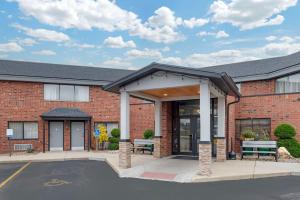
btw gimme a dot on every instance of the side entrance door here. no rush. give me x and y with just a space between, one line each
77 135
56 136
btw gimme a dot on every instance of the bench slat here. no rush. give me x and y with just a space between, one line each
259 146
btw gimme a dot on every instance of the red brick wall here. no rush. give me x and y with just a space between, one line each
258 87
279 108
166 129
24 101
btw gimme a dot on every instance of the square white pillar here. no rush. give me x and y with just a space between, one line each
221 116
124 144
204 145
157 119
204 112
125 116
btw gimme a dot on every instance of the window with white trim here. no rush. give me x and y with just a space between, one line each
288 84
24 130
59 92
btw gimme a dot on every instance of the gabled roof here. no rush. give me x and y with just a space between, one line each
222 80
44 72
260 69
65 113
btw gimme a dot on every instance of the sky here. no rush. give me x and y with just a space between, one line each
130 34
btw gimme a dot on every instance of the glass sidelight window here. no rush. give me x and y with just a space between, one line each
108 125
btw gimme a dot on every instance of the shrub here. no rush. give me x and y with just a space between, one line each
285 131
291 145
115 133
248 133
113 146
148 134
114 140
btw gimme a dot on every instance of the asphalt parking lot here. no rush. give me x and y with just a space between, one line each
78 180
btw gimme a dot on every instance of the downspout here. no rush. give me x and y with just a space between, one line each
227 124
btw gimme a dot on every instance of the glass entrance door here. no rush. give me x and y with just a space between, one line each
189 133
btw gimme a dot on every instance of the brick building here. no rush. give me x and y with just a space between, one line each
56 107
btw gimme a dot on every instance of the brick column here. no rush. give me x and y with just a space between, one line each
204 158
221 149
157 147
124 154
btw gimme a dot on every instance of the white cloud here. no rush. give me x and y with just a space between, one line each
118 42
117 62
271 38
43 34
146 53
79 45
249 14
10 47
226 56
287 39
27 42
171 60
219 34
193 22
44 53
222 34
107 15
165 49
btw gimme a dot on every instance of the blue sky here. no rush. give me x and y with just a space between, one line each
130 34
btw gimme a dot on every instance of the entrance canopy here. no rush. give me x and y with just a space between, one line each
158 80
65 114
161 83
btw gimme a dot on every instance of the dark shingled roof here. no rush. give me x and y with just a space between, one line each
65 113
257 67
58 71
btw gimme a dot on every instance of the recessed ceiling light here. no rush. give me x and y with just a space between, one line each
165 94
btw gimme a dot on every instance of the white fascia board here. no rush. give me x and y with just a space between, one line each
161 80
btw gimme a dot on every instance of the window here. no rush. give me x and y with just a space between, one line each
24 130
109 126
54 92
262 127
288 84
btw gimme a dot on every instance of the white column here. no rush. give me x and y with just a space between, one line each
204 112
125 116
157 118
221 116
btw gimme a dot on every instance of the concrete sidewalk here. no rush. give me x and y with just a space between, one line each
168 169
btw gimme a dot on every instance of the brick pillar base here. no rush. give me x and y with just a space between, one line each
124 154
221 149
157 148
204 158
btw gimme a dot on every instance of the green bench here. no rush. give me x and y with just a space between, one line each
143 145
259 148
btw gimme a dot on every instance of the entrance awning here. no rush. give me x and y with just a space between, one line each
221 80
65 114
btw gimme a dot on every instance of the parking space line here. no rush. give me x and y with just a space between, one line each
14 175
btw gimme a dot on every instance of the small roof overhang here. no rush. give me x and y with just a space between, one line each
222 80
65 114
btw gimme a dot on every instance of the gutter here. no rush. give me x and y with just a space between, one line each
227 123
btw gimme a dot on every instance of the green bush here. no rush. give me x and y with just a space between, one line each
291 145
285 131
113 140
148 134
115 133
113 146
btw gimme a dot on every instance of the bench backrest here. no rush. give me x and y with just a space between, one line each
260 144
143 142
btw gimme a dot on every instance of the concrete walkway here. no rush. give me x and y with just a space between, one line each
169 169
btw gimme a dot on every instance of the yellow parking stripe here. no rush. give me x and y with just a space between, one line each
14 174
